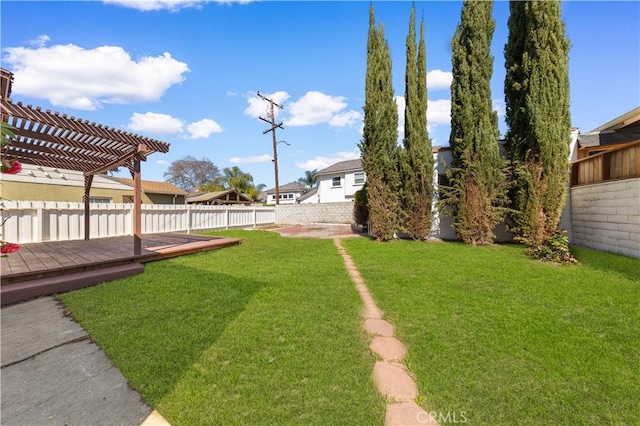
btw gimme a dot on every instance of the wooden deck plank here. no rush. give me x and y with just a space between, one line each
37 260
29 257
13 264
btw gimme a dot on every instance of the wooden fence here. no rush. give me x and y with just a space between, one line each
37 221
619 163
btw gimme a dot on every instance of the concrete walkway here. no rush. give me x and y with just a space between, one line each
52 373
390 375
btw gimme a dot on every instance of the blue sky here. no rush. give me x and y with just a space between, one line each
188 72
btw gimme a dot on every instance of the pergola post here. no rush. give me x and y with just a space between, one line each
137 208
87 212
137 200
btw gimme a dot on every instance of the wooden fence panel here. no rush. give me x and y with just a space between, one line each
35 221
620 163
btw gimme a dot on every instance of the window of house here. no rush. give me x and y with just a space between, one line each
359 178
336 181
101 200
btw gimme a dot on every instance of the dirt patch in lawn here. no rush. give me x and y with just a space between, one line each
319 231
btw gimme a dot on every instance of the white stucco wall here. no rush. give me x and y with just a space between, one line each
327 193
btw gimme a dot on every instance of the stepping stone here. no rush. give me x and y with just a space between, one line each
378 327
389 348
393 382
371 311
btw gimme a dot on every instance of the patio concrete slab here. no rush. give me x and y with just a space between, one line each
52 373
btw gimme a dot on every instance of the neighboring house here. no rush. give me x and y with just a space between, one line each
611 135
289 193
609 152
339 182
230 196
39 183
158 192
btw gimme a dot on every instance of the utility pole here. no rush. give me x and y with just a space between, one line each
273 131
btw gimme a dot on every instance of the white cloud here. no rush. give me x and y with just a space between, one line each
259 107
162 162
314 108
499 107
320 162
344 119
438 79
171 5
311 109
164 124
75 77
40 41
402 105
255 159
161 124
438 112
203 129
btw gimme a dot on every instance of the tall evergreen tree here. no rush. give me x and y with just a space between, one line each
416 162
380 135
478 182
538 118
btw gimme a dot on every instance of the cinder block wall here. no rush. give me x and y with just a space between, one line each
606 216
315 213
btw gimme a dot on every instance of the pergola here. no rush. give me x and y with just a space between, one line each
55 140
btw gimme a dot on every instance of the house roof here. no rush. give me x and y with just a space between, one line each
309 194
153 187
289 187
41 175
617 123
229 196
342 167
620 130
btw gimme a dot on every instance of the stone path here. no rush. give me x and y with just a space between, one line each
390 375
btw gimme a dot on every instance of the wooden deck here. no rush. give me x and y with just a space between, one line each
57 266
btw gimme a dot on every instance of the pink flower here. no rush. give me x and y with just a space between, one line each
14 169
8 248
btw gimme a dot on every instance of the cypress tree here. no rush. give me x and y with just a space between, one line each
538 119
380 134
478 183
417 159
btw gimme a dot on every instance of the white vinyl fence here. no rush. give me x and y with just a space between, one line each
37 221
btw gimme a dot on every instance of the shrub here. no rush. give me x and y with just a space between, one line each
361 208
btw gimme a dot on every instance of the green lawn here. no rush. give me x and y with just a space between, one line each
269 332
496 338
